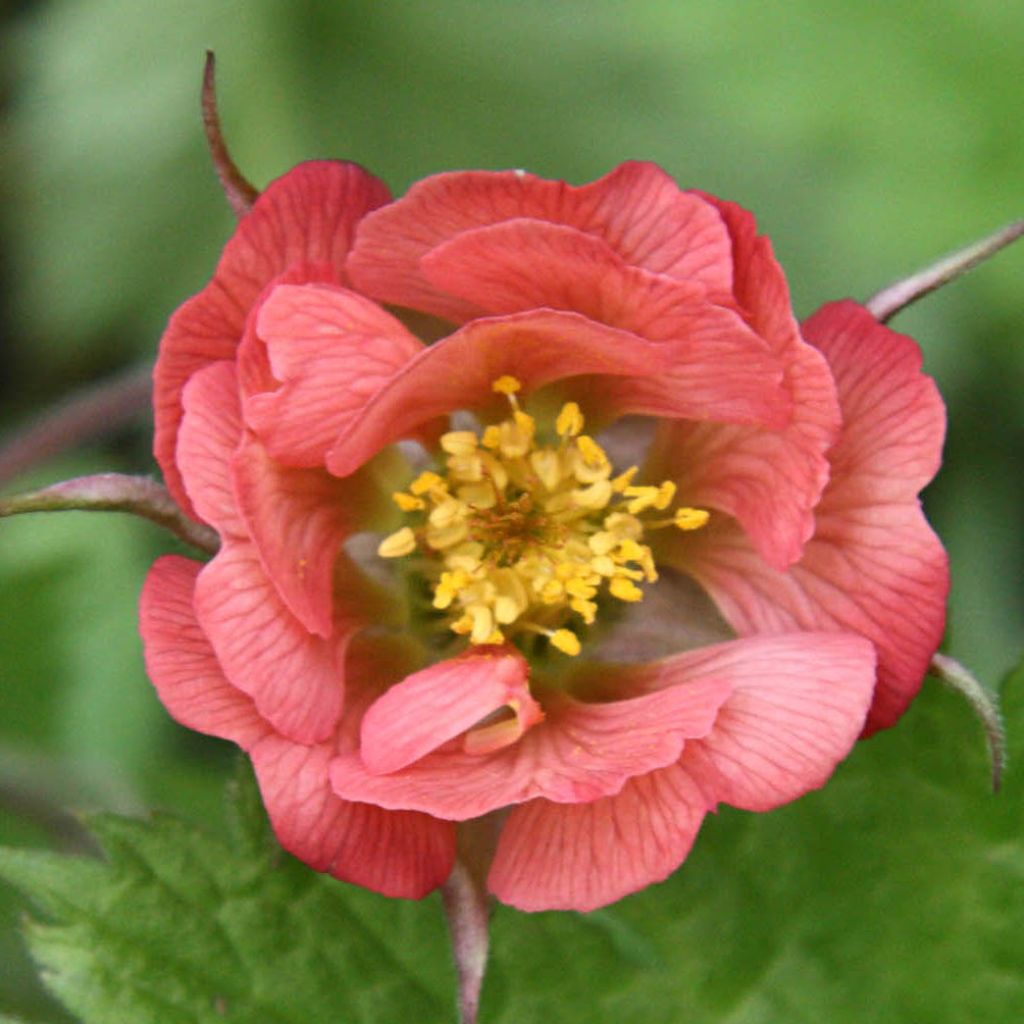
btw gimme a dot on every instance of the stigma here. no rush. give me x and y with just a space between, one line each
521 537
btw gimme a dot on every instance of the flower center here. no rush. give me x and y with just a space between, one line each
521 537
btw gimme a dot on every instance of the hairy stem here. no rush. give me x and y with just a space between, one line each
884 305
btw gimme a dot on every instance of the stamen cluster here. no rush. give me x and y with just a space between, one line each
519 536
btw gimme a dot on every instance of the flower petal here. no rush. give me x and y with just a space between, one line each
295 678
333 350
797 707
396 853
580 752
636 209
874 566
770 480
435 705
181 663
524 264
211 431
720 369
307 215
582 856
298 519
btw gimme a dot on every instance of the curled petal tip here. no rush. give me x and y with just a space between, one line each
884 305
238 190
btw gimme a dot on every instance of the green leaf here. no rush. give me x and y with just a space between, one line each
176 927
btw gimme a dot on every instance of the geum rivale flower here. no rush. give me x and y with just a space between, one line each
487 653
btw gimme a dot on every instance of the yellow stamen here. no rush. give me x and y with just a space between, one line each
624 589
570 420
690 518
401 542
566 641
506 385
425 483
518 536
459 442
407 503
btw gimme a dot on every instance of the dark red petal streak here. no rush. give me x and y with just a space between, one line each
181 662
636 209
307 215
396 853
580 752
581 856
874 565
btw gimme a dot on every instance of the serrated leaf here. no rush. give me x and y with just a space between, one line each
174 926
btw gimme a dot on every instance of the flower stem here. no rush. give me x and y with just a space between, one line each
467 906
239 192
884 305
115 492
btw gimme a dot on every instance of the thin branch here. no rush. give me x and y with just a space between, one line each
240 193
884 305
115 492
93 412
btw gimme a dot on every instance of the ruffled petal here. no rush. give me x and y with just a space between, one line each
523 264
334 351
298 519
770 480
433 706
396 853
294 678
181 662
797 707
307 215
581 752
582 856
636 209
874 566
211 431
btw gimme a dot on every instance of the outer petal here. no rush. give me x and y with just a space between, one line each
307 215
181 663
435 705
333 350
294 678
211 431
769 480
874 566
797 706
524 264
397 853
582 856
637 209
581 752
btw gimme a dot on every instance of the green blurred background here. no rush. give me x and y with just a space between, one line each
868 138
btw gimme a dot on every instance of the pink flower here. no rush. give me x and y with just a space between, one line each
492 652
